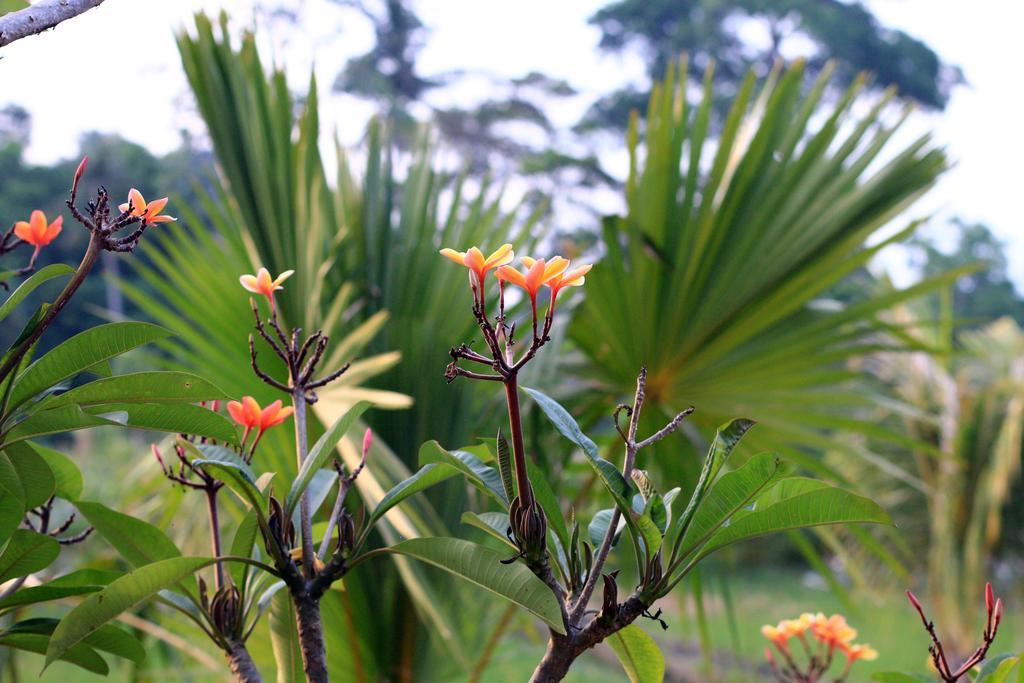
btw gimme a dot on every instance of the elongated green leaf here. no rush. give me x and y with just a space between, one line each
727 495
122 594
321 453
27 552
424 478
483 477
81 655
107 638
78 582
80 353
138 387
239 479
996 669
32 474
63 419
241 546
726 438
28 286
137 541
174 418
67 477
640 656
824 506
505 466
494 524
284 639
598 526
483 567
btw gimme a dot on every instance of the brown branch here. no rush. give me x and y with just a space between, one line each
41 16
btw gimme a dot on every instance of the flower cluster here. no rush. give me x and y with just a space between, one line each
820 637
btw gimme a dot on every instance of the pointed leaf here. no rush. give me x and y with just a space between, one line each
639 655
25 288
27 552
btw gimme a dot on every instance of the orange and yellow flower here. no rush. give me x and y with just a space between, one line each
833 631
475 261
570 277
538 273
855 652
149 212
36 231
261 283
249 414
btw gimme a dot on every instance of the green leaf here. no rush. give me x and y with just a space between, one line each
494 524
78 582
508 482
138 387
726 438
321 453
80 353
598 527
121 595
108 638
81 655
996 669
730 493
63 419
37 278
482 566
424 478
67 476
227 466
242 544
284 639
639 655
549 503
31 474
483 477
824 506
138 542
174 418
27 552
563 422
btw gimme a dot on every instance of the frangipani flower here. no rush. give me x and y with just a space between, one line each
149 212
833 631
36 231
855 652
475 261
249 414
538 273
260 283
567 278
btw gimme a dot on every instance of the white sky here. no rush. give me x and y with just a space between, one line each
83 76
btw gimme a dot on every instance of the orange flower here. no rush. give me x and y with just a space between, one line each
249 414
855 652
833 631
260 283
538 273
568 278
475 261
149 212
36 232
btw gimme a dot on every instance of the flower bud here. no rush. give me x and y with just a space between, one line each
346 532
226 612
282 530
530 528
610 598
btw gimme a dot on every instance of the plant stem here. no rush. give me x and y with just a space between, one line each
88 261
301 450
211 506
311 639
242 666
515 422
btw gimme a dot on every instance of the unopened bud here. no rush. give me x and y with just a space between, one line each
989 597
346 533
367 441
610 598
79 171
997 613
530 528
225 611
282 530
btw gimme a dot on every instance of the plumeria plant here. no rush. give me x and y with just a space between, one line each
551 568
71 387
820 640
297 562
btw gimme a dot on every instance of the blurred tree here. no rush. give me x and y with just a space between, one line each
982 296
742 34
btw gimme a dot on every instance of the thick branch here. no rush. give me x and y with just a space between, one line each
242 666
41 16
